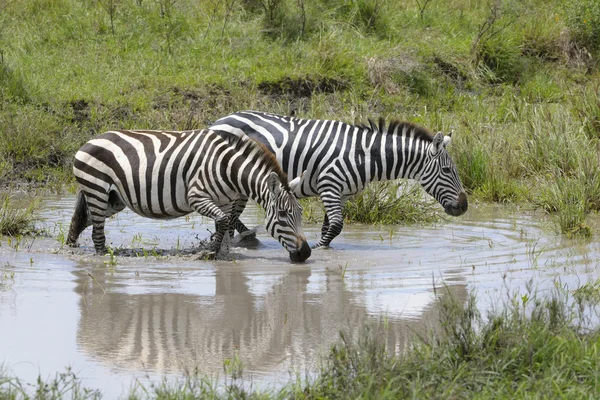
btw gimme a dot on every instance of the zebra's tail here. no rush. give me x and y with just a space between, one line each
81 219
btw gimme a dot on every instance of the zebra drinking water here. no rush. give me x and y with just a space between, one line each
339 159
165 175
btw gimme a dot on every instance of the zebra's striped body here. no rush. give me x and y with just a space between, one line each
338 160
166 175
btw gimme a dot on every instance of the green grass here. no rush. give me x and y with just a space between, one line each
392 203
532 347
16 221
588 293
516 81
385 203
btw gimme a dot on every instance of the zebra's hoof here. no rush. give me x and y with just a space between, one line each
321 247
246 239
72 244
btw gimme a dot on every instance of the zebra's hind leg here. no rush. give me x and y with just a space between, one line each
98 205
81 219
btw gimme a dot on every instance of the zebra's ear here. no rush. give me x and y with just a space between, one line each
448 139
273 183
296 182
437 144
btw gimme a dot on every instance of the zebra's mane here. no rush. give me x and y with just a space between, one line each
399 127
264 155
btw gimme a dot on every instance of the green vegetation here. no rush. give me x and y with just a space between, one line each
16 221
64 385
516 80
532 348
388 202
391 203
588 293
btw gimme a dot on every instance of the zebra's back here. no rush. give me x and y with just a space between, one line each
300 145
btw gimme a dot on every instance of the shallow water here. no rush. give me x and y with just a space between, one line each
114 321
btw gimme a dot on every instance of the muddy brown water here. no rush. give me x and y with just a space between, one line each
146 317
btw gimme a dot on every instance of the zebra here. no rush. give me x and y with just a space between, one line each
168 174
340 159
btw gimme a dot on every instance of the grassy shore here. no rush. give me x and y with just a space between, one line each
517 81
532 348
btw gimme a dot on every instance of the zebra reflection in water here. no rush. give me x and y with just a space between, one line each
288 325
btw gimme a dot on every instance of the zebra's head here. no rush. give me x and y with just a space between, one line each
284 217
440 177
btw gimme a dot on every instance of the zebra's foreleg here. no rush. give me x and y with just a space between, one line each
335 221
234 223
206 206
325 226
238 209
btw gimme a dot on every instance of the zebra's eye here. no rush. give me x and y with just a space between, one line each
446 170
283 215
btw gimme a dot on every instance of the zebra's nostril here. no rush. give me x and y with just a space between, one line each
302 253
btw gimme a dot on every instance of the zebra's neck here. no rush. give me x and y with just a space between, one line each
393 155
262 195
249 177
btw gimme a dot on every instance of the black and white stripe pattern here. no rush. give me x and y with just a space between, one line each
166 175
339 159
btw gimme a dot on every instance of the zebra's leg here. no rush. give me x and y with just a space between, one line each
206 206
333 208
98 205
81 219
239 208
325 226
234 222
236 210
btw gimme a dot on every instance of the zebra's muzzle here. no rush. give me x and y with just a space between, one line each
459 207
302 253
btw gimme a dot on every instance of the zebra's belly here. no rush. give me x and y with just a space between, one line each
167 213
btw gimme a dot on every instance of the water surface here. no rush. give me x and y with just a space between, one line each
126 318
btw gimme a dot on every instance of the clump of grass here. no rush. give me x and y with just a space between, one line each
11 84
541 88
566 200
14 221
312 210
478 166
59 387
500 60
367 15
588 293
535 347
583 20
7 279
391 203
586 104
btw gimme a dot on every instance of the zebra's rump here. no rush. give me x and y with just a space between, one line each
146 169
